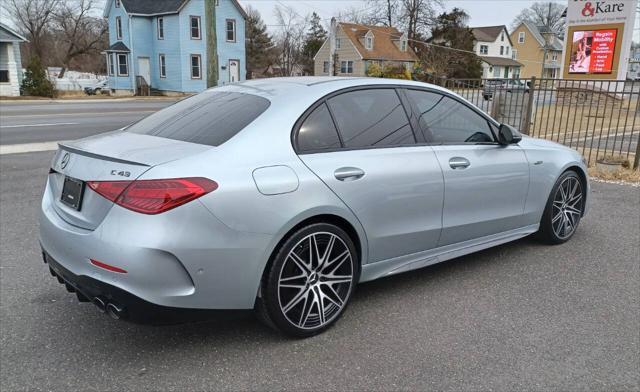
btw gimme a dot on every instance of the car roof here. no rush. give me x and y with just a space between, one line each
288 88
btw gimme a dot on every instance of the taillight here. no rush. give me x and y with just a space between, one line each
153 196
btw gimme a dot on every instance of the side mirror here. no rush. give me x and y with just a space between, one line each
508 135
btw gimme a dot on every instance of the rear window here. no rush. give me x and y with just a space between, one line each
210 118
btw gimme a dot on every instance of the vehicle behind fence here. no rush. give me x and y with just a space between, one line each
599 118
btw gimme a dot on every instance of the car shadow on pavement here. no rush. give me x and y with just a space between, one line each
233 327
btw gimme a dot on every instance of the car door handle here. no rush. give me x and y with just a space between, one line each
459 163
348 173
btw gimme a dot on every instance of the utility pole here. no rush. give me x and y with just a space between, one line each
212 43
546 40
332 45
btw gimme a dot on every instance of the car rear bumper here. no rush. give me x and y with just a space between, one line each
184 258
120 304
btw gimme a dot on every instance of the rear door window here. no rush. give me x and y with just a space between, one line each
371 118
318 132
209 118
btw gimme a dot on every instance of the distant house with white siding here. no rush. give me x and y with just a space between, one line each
163 44
633 72
494 47
10 61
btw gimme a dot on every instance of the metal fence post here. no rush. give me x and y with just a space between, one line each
636 160
529 108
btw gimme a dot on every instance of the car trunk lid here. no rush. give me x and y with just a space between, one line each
114 156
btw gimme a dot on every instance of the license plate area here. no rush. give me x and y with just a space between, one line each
72 192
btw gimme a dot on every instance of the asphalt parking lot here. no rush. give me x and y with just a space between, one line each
522 316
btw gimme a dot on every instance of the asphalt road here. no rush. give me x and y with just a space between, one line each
521 316
54 121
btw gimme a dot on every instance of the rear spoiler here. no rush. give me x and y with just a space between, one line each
78 151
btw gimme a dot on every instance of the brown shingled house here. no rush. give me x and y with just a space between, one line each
358 46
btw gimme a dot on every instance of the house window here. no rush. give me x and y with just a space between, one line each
123 65
162 63
346 67
502 37
110 64
117 3
195 27
514 54
501 50
403 46
516 73
196 62
496 72
507 50
118 28
337 43
325 67
368 43
160 28
484 49
231 30
554 56
521 37
4 76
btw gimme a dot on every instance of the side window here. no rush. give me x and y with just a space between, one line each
318 132
445 120
371 118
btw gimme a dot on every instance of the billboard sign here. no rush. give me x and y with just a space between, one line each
592 51
598 38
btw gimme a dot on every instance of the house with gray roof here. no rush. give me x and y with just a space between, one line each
494 47
170 46
10 61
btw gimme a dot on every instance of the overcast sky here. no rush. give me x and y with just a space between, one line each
482 12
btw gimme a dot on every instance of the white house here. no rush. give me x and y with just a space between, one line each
633 72
10 61
494 46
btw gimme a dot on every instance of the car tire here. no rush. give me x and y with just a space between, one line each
310 281
563 210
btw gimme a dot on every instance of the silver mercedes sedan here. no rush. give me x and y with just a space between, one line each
280 195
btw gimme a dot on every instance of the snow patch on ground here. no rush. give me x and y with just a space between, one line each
617 182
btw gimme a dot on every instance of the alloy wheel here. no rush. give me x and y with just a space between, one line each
315 280
567 208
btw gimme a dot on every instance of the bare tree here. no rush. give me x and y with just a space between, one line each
289 38
33 18
419 16
77 32
385 12
548 14
355 15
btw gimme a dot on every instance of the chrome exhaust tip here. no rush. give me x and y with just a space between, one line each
100 304
114 311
